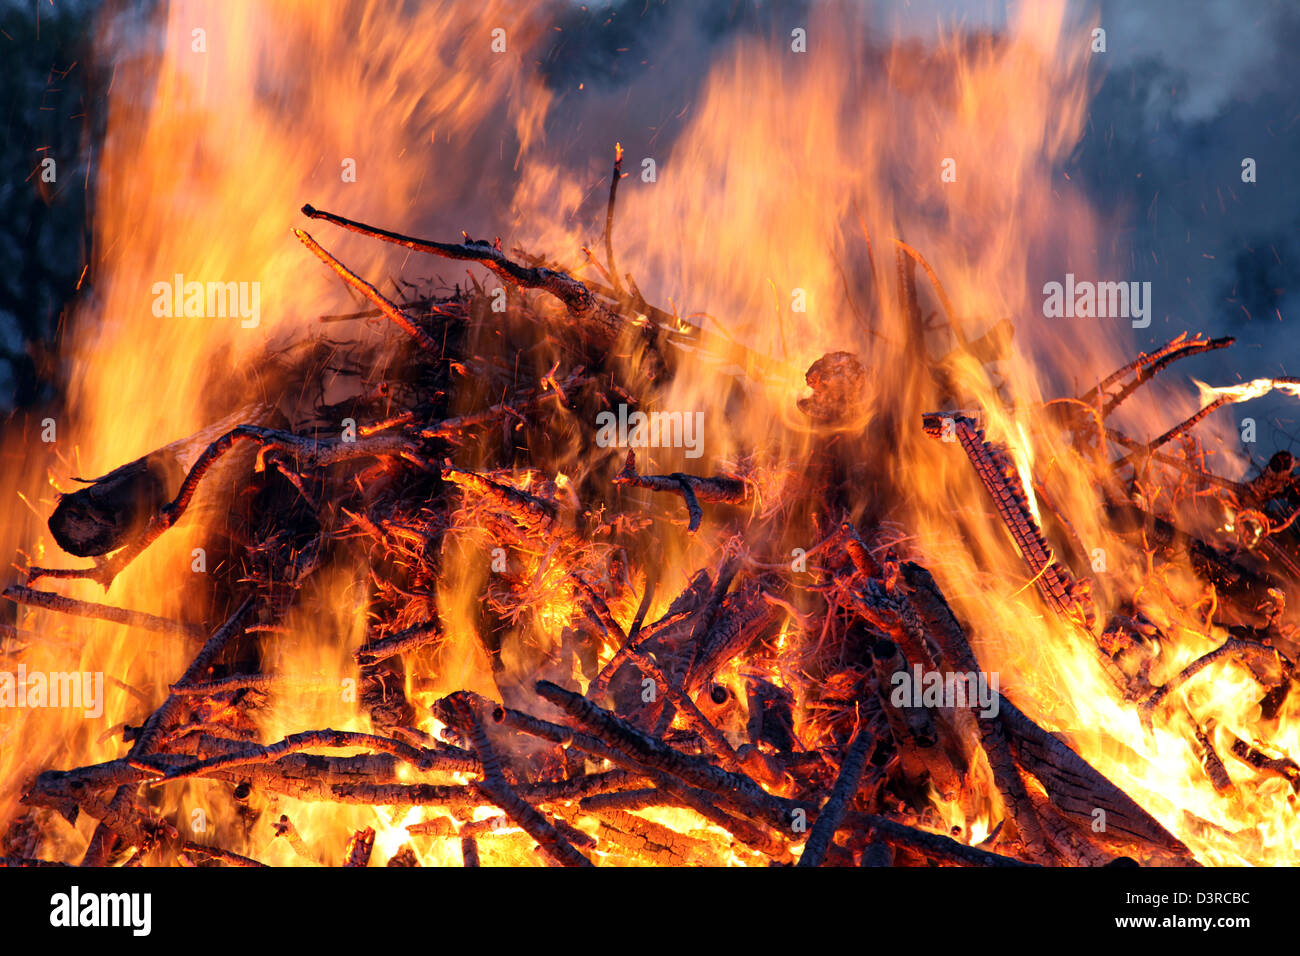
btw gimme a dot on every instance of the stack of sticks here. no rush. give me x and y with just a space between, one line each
750 721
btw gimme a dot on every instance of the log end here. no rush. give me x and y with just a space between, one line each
104 515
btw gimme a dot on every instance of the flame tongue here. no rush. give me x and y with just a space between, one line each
1247 391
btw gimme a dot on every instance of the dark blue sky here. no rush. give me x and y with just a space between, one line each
1191 88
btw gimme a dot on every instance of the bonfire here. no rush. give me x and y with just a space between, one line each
519 561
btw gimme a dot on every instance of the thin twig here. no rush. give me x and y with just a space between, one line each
1231 646
402 642
609 218
102 612
574 294
394 314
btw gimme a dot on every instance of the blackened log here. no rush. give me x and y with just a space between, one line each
653 842
1076 788
839 383
115 507
934 846
1284 767
469 851
401 642
1210 760
381 691
405 857
771 715
951 637
360 846
832 811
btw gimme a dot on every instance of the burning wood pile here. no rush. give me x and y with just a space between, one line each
808 696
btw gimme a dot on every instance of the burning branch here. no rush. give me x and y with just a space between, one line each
609 218
495 787
832 811
394 314
1065 595
692 488
1147 367
102 612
